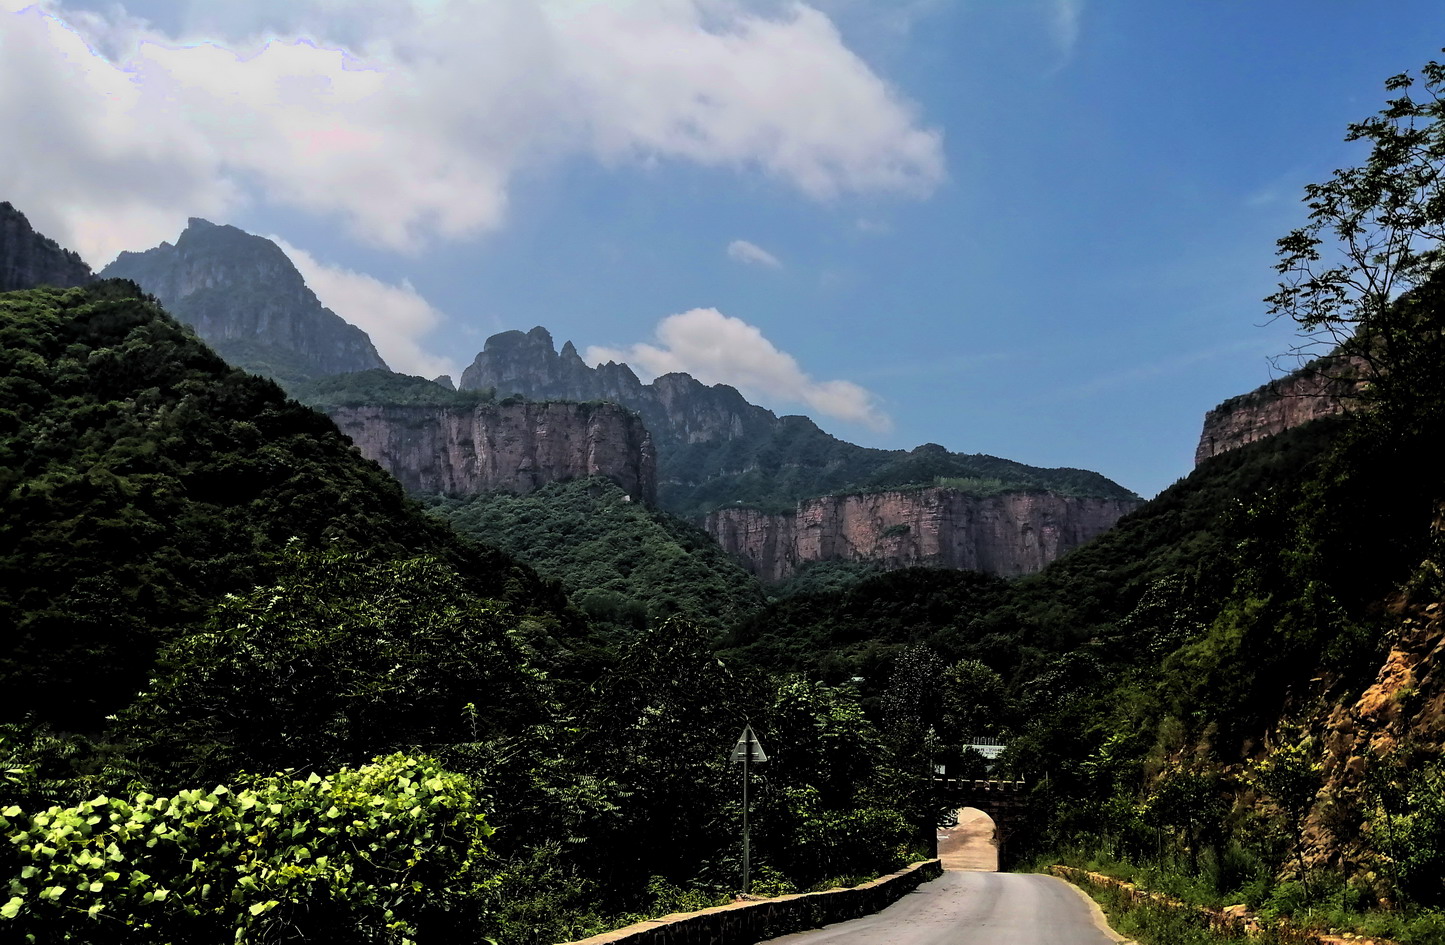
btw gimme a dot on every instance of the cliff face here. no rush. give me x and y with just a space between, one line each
511 447
28 259
1006 535
1320 389
244 297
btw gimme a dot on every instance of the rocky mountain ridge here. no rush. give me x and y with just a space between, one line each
715 448
676 407
28 259
779 492
247 300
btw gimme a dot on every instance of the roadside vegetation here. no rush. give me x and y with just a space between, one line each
254 693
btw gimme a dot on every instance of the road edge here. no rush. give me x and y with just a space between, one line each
1096 912
747 922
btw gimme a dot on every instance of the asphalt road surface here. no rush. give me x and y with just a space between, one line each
975 908
970 844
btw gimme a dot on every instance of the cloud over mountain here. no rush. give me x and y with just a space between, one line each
718 349
407 121
395 315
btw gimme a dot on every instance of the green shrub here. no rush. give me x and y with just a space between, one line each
365 854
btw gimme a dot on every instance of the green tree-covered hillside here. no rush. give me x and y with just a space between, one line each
625 565
142 479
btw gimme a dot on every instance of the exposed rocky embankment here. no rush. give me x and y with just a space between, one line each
1007 535
512 447
28 259
245 299
1400 716
1319 389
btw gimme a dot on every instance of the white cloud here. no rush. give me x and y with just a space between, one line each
744 252
718 349
395 316
1067 25
407 119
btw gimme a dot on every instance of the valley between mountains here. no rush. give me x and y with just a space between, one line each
306 649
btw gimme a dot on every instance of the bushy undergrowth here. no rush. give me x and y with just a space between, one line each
1235 876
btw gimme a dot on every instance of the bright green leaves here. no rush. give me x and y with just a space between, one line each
211 865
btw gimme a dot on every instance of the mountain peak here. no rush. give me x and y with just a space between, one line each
245 297
28 259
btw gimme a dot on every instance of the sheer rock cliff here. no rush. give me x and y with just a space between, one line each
246 300
1319 389
1007 535
514 447
28 259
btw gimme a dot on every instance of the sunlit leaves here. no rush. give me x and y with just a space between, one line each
232 864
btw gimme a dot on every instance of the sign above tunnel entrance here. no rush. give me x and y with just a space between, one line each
990 748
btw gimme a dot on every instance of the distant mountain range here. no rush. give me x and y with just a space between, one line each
716 449
717 455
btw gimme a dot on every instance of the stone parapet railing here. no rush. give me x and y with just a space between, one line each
1233 920
749 921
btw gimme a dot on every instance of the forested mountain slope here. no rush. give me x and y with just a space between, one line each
203 584
625 565
142 478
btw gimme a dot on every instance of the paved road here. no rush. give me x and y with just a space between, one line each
969 845
968 908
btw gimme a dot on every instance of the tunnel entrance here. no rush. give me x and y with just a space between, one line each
972 844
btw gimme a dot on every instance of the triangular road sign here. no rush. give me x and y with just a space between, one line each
749 748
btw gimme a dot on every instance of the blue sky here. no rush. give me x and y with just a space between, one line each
1039 230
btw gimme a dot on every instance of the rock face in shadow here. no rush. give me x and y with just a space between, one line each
1322 388
245 299
28 259
676 407
1006 535
514 447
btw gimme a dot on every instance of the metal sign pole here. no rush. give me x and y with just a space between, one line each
746 851
747 750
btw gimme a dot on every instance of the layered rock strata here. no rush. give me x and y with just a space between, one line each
1319 389
1007 535
511 447
28 259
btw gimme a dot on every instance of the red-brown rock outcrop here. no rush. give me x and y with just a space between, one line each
510 447
1319 389
1008 535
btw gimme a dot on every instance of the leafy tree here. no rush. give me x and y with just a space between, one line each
1353 274
339 658
1406 819
1289 777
